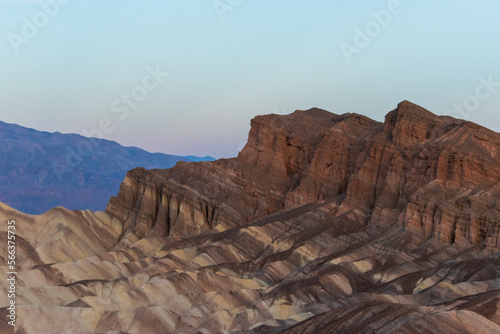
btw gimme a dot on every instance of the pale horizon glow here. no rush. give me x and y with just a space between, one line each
261 58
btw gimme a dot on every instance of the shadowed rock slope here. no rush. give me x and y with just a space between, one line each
324 223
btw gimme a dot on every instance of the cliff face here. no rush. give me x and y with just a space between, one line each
438 176
324 223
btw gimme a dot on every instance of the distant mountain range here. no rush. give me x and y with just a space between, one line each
42 170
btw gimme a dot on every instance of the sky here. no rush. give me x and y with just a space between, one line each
187 76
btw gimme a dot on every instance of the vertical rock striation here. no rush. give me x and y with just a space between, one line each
436 175
324 223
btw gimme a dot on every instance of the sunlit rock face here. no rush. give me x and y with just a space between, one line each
324 223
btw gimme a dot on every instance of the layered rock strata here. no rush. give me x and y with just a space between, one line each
324 223
436 175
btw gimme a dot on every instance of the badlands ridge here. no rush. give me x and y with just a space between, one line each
324 223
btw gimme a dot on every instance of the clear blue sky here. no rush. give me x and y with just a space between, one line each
252 57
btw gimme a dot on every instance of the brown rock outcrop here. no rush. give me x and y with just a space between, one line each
324 223
437 175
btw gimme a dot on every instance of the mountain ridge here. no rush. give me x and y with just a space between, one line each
323 223
276 158
40 170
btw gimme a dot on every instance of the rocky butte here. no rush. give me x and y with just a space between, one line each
324 223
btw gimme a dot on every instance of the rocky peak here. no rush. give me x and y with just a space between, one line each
323 223
414 161
411 124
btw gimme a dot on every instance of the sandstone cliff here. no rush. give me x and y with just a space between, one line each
435 175
324 223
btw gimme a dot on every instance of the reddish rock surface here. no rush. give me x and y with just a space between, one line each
324 223
435 175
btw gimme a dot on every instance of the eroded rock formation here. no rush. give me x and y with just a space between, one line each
324 223
436 174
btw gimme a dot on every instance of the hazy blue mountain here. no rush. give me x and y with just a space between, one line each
42 170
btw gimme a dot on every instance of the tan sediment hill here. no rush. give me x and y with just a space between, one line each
324 223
